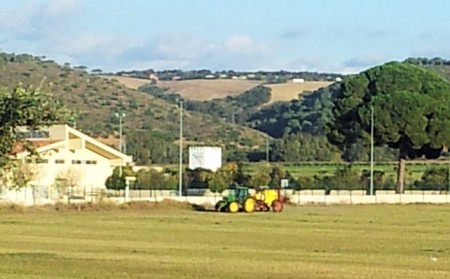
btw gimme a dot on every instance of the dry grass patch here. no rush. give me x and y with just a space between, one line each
198 89
289 91
204 90
133 83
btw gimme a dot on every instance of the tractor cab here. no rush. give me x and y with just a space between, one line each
237 193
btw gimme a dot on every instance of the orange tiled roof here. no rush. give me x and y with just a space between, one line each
20 146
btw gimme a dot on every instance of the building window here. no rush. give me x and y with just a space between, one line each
41 161
91 162
29 160
34 134
59 161
76 162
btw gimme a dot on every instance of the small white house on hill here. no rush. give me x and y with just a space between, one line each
67 156
298 80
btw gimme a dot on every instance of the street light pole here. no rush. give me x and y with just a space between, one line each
120 115
371 149
120 134
448 170
180 160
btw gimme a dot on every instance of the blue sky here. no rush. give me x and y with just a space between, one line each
341 36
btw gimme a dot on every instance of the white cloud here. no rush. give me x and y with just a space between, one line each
179 46
60 8
90 43
244 45
165 51
36 21
169 50
322 64
95 50
242 52
314 63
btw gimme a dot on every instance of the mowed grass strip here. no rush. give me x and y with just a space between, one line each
384 241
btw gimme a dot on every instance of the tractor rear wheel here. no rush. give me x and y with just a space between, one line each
233 207
277 206
249 205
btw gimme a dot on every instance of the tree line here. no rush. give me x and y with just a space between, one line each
343 178
423 61
265 76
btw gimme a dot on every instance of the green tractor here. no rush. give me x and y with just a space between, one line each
237 198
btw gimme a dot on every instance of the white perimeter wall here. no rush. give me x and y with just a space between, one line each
28 197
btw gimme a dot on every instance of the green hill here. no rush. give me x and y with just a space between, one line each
97 99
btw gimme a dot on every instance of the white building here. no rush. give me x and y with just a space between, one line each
67 154
298 80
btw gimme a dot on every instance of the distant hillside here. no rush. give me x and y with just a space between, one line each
97 99
198 89
209 89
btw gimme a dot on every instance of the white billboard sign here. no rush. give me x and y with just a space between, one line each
205 157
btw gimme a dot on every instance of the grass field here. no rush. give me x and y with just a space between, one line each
384 241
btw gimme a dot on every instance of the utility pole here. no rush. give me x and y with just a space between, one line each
371 149
448 169
267 150
120 115
180 167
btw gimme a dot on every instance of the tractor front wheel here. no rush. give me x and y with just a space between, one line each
249 205
233 207
277 206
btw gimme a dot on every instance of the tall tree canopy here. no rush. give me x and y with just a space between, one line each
411 109
307 114
29 108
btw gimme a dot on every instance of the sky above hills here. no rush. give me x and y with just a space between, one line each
344 36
